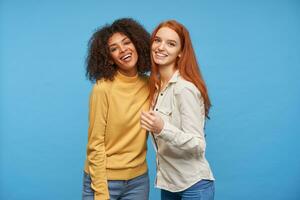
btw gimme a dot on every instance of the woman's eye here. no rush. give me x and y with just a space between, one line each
172 44
113 49
156 40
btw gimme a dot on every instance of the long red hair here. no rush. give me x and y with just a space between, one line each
187 64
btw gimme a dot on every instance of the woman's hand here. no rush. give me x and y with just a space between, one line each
151 121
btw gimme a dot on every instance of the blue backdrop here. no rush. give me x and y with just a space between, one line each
249 52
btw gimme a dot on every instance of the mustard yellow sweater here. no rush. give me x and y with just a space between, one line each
116 148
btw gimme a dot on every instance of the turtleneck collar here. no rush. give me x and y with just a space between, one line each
124 78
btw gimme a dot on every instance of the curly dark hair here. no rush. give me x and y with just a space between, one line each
98 63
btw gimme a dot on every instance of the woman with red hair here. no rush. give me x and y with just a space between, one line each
180 105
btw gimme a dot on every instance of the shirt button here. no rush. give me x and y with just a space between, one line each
156 109
161 94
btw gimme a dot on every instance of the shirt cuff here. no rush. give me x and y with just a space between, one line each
167 133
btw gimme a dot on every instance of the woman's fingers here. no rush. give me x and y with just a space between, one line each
149 115
146 126
146 122
147 118
151 121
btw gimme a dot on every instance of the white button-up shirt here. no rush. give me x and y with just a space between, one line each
180 146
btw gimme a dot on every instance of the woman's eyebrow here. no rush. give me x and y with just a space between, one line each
113 44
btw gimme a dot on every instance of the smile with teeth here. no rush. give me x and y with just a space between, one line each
159 54
126 57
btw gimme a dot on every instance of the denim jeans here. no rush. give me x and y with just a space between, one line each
136 188
202 190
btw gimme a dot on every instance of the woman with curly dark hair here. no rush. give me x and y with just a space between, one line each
118 58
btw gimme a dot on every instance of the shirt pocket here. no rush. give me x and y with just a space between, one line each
165 113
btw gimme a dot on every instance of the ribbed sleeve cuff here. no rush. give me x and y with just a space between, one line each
99 196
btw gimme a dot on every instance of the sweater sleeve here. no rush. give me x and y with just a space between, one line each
190 136
96 148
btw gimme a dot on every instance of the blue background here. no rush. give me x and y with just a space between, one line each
249 52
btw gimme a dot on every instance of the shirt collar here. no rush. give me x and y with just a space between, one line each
173 79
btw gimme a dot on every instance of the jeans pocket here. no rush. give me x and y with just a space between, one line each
208 192
87 189
203 184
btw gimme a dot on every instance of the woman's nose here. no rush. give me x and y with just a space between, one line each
123 48
161 46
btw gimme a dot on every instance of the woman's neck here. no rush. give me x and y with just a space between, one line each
166 73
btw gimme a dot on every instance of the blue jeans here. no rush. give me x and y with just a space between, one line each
136 188
202 190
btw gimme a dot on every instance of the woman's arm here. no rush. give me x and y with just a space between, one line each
188 137
96 147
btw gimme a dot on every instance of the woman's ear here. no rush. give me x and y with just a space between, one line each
180 53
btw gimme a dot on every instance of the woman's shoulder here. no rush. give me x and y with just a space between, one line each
101 86
183 85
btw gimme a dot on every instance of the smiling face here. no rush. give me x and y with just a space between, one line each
123 53
166 47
